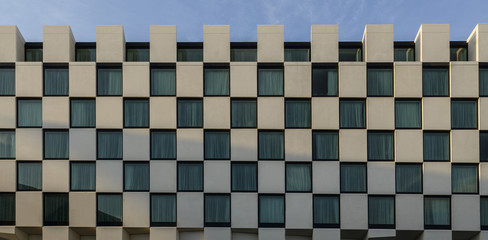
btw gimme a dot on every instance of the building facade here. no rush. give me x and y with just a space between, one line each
221 140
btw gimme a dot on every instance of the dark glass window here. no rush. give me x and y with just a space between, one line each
7 144
404 51
244 177
464 114
297 51
190 176
163 144
33 52
109 144
217 144
459 51
109 80
408 178
136 113
56 144
380 145
137 52
271 210
297 113
136 176
464 178
408 114
324 80
271 145
243 113
326 211
484 212
484 146
83 176
56 209
435 81
29 113
56 80
7 208
7 79
83 113
436 146
243 52
350 52
380 80
86 52
163 210
216 80
109 209
270 80
29 176
353 177
298 177
437 212
483 80
352 113
381 211
190 52
217 210
190 113
325 145
163 80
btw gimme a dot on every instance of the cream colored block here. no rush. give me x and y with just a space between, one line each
189 79
28 79
478 49
216 43
28 144
436 235
354 211
436 113
82 79
432 43
163 176
464 79
162 42
217 234
243 79
271 233
381 233
136 144
7 176
216 112
136 209
56 233
244 235
483 113
111 233
243 144
409 212
381 178
216 176
353 145
190 235
378 43
28 209
271 176
8 115
58 44
110 43
161 233
325 113
320 233
109 176
55 112
82 144
11 44
270 43
298 145
298 79
55 176
299 211
326 177
466 212
381 113
190 144
109 112
271 113
82 209
136 79
408 79
352 79
324 43
465 146
483 172
437 178
162 112
189 210
244 211
409 146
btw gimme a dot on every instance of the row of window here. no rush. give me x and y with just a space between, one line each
217 210
217 83
244 177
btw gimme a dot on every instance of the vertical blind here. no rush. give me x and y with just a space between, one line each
163 145
109 81
136 113
326 210
137 55
7 211
29 176
325 145
297 55
136 176
436 146
216 82
163 82
86 54
271 209
243 55
244 113
109 145
408 114
83 176
190 55
484 212
56 209
33 54
464 178
109 211
380 82
271 145
435 82
298 177
7 144
409 178
7 81
381 210
437 211
56 144
483 75
244 177
190 177
380 146
217 208
483 146
324 82
217 145
163 209
190 112
297 113
82 113
270 82
29 113
56 81
352 114
464 114
353 177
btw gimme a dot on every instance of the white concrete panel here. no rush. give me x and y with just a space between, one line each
216 43
58 44
82 209
161 233
483 113
243 79
325 113
244 144
28 79
216 112
217 234
352 79
298 145
191 235
409 145
326 177
465 212
189 210
28 209
135 79
271 176
244 210
109 112
354 211
82 144
136 144
8 178
298 79
82 79
432 43
436 235
483 178
8 115
111 233
110 43
271 233
162 112
324 43
464 79
190 144
299 211
436 113
270 43
12 44
271 112
378 43
55 112
109 176
437 178
465 146
162 42
28 142
216 176
136 209
409 212
189 79
408 79
381 177
55 176
381 113
56 233
162 176
353 145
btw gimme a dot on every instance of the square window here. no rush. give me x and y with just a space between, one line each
380 81
350 52
190 113
163 81
244 177
56 144
484 212
163 144
484 146
271 211
408 178
136 113
190 177
56 209
136 176
464 114
464 178
243 53
459 51
7 208
353 178
56 80
298 177
86 52
109 209
83 176
243 113
271 145
190 52
483 80
109 144
437 212
380 146
435 81
352 113
297 113
29 176
381 212
83 113
326 211
436 146
217 210
270 80
408 114
29 112
109 80
163 209
33 52
7 80
217 144
216 80
325 145
137 52
324 80
7 144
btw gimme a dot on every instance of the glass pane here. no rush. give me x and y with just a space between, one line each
352 114
7 208
408 114
137 54
190 55
459 54
109 82
217 209
109 211
297 55
404 54
7 144
29 113
216 82
437 211
350 55
56 209
436 146
244 113
325 145
163 82
29 176
56 144
82 113
324 82
435 82
136 177
464 179
136 113
270 82
33 54
380 146
86 54
326 210
244 177
109 145
380 82
190 113
409 178
163 209
56 82
190 177
243 55
381 211
483 146
464 114
271 209
217 145
271 145
298 177
83 176
483 75
163 145
7 81
297 113
353 178
484 212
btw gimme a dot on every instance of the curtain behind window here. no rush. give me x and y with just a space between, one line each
56 144
86 54
408 114
324 82
352 114
216 82
483 75
326 210
217 145
7 211
56 82
190 113
464 114
136 176
7 81
271 209
243 55
380 82
270 82
380 146
83 176
136 113
381 210
7 144
137 55
109 209
298 177
163 208
29 176
56 209
271 145
464 179
297 113
484 211
109 81
163 145
29 113
409 178
190 55
163 82
217 209
33 54
244 113
190 176
483 146
244 177
437 211
353 178
435 82
325 145
297 55
82 113
109 145
436 146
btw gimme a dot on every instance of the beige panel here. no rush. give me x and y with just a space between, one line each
190 144
55 176
162 112
110 43
466 212
216 176
136 79
298 79
136 209
189 79
191 235
409 145
189 209
325 176
409 212
353 145
28 209
244 210
243 79
378 43
216 43
8 115
271 113
483 178
465 146
216 112
332 234
482 39
109 112
111 233
432 43
82 144
55 112
408 79
381 178
299 209
161 233
82 79
11 44
464 79
217 234
381 113
56 233
437 178
82 209
58 44
109 176
7 176
28 79
298 145
270 43
271 233
271 176
162 43
244 144
325 113
483 118
436 235
28 144
352 79
244 235
354 211
163 176
324 43
381 233
136 144
436 113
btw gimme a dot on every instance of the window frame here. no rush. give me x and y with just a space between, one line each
137 45
48 223
306 101
117 66
161 66
146 101
215 66
403 100
392 133
178 112
365 109
18 107
453 165
202 183
380 66
10 130
322 225
365 165
317 131
58 66
71 111
189 45
439 227
232 179
9 66
148 176
243 45
121 210
325 66
271 66
466 100
404 45
110 130
31 46
216 224
283 145
458 45
297 46
71 178
421 177
350 45
10 223
250 99
448 132
85 45
210 131
309 164
156 130
17 176
162 224
438 66
383 226
59 130
271 225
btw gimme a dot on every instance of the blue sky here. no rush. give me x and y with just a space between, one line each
242 16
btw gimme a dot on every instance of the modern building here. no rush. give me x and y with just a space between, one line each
220 140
